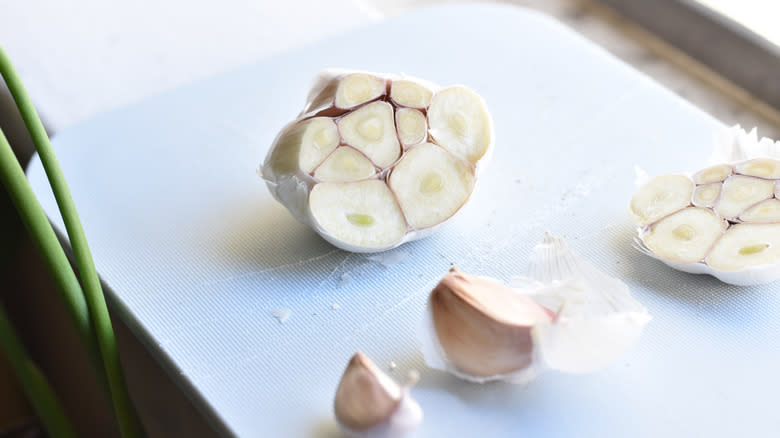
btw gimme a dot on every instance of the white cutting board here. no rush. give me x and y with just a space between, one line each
196 253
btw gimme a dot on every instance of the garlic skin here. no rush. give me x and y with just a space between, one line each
425 145
736 241
564 315
369 404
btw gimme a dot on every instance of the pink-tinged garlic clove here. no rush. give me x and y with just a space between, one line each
368 403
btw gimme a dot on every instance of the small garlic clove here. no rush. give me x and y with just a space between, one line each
368 403
712 174
707 195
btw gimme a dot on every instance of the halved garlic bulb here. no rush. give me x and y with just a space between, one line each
368 403
376 160
722 220
565 315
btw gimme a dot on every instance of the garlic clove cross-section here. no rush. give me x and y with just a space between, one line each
368 403
722 220
377 160
565 315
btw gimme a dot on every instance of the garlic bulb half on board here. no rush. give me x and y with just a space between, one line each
723 220
369 404
565 315
376 160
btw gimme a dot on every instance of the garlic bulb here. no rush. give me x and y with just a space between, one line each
369 404
564 315
723 220
375 160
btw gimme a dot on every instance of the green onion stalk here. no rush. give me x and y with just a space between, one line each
87 306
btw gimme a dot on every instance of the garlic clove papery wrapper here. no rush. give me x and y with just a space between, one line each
730 226
565 315
376 160
369 404
597 320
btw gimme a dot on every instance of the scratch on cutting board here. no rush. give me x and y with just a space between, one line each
273 269
424 290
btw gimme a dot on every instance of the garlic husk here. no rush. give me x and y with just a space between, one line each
372 146
597 320
739 187
369 404
576 318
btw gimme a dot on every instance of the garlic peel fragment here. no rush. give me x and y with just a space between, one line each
565 315
358 127
739 196
368 403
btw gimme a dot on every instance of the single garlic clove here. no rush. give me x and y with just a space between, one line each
360 127
746 245
358 88
661 196
707 195
336 91
302 145
685 236
768 168
410 93
431 185
345 164
740 192
412 126
765 212
483 327
364 214
566 315
712 174
371 130
368 403
459 121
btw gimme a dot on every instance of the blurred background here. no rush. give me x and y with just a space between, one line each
83 57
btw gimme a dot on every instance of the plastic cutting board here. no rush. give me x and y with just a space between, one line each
196 253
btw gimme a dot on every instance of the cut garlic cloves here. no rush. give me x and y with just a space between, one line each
369 404
375 161
565 315
729 229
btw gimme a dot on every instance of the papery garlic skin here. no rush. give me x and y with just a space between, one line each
369 404
741 189
565 315
424 144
